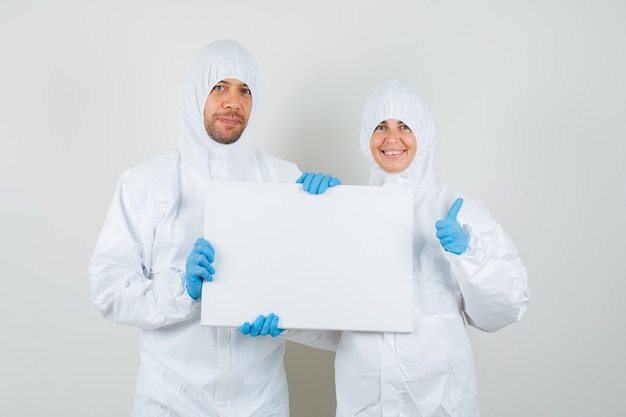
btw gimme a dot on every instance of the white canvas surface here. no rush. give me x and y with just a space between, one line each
341 260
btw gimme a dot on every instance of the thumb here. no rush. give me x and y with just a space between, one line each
455 208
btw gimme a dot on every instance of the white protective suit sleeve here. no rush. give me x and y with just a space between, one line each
491 276
125 288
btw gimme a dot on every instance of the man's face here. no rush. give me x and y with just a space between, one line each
227 110
393 146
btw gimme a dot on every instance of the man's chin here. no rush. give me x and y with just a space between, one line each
225 139
224 134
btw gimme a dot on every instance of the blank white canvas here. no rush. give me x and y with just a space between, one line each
341 260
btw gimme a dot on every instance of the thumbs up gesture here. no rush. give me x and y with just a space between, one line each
449 231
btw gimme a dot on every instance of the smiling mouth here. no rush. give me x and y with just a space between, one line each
393 153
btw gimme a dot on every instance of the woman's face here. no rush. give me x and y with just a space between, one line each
393 146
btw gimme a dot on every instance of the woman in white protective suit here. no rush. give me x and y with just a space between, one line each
138 269
465 268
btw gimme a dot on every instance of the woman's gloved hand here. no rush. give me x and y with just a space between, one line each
198 267
450 233
262 326
314 183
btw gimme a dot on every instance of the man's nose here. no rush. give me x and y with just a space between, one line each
232 102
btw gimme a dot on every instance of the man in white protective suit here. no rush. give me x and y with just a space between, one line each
465 270
150 261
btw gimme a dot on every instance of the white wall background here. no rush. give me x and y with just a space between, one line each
529 98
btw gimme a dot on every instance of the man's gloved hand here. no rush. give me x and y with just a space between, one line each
449 231
198 267
262 326
314 183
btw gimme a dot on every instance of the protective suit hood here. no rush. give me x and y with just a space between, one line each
398 100
216 61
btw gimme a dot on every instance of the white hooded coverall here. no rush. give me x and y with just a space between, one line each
430 371
137 272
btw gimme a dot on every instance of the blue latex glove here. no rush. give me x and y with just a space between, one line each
449 231
314 183
262 326
199 268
